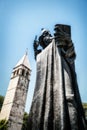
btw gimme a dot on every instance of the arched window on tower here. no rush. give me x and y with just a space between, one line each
23 71
17 72
27 74
14 73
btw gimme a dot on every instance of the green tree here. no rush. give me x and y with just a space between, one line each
3 124
1 101
85 109
25 119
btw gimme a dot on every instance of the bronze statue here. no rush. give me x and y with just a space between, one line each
56 102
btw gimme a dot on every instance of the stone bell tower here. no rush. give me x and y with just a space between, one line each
14 103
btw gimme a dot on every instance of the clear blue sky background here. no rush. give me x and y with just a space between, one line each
21 20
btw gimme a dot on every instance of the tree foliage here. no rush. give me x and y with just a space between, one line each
1 101
85 109
3 124
25 120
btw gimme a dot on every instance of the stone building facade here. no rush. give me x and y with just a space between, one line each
14 103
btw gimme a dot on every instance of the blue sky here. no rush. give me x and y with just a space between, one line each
21 20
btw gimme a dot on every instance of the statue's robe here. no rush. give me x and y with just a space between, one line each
56 102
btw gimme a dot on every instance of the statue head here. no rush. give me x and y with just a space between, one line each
44 32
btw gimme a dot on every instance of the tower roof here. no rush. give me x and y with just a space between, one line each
24 61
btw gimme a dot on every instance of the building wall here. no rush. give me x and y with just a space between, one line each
15 99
